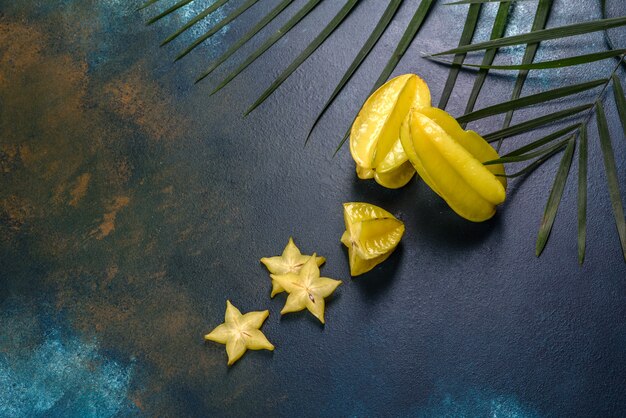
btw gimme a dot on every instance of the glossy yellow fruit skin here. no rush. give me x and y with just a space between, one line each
470 140
397 178
371 235
393 173
395 170
449 160
376 128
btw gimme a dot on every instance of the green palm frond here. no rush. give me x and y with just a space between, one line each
147 4
535 123
466 37
536 164
481 2
206 12
369 44
497 31
221 24
555 196
319 39
539 23
562 140
620 100
534 99
539 142
544 65
275 37
245 38
582 194
405 41
529 155
168 11
611 175
541 35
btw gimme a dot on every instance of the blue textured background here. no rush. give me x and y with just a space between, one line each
132 205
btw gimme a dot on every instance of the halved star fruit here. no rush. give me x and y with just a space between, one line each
377 126
371 235
450 159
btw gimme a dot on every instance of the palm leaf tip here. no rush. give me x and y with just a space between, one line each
499 26
168 11
582 194
466 37
206 12
232 16
544 65
456 3
535 164
531 100
312 47
147 4
531 124
284 29
528 155
367 47
541 35
620 100
539 142
414 26
611 175
555 197
245 38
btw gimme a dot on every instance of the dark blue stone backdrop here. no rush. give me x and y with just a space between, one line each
132 205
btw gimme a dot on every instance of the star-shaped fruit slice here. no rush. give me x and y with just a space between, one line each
240 333
291 261
371 235
306 289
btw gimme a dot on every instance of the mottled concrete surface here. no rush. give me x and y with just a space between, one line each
132 205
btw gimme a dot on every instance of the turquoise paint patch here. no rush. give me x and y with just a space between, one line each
191 11
63 376
477 403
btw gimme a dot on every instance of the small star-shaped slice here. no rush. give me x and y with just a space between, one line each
291 261
240 333
306 289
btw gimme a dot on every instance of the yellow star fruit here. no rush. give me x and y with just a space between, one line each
450 159
306 289
374 138
371 235
291 261
240 333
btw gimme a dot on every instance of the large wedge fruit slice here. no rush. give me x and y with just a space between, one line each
371 235
377 126
450 162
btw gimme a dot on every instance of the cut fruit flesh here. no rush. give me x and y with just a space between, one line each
371 235
394 172
394 159
357 211
374 237
397 178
